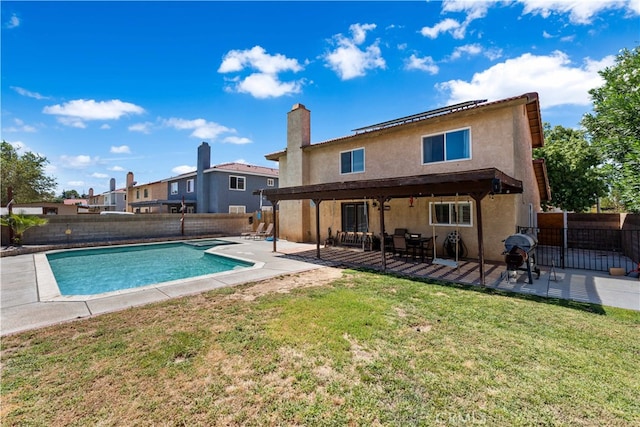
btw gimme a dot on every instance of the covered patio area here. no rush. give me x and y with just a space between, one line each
467 272
476 184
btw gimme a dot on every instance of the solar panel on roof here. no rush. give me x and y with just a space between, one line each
421 116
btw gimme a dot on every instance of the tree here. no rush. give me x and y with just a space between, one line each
25 174
20 223
614 125
572 166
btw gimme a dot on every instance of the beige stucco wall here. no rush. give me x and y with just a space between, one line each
156 191
498 217
398 151
500 138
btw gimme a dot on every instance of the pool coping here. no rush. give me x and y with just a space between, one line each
49 291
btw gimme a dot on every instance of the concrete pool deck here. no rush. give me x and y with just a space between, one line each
22 307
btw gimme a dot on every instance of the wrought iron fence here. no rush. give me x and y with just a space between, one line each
587 249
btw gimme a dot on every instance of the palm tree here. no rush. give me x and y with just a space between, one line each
20 223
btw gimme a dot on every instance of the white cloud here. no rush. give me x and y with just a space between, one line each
19 126
265 83
13 22
473 10
201 128
123 149
446 25
242 161
141 127
422 64
105 127
77 162
116 169
579 11
179 170
262 86
75 183
28 93
553 76
99 175
75 113
236 140
475 49
348 60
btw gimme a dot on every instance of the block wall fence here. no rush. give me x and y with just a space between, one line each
73 229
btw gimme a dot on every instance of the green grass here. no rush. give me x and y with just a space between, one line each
363 350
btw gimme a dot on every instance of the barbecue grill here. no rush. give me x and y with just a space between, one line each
520 254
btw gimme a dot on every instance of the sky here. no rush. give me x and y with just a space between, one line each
104 88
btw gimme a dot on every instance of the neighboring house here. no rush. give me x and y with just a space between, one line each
146 198
112 200
417 172
224 188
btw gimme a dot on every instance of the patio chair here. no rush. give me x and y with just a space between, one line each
400 246
427 248
259 230
266 233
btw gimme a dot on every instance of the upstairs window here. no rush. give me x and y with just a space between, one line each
146 193
352 161
236 183
444 147
190 186
174 188
271 182
450 213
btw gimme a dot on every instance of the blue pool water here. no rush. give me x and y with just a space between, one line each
95 271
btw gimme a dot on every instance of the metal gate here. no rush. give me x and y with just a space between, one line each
588 249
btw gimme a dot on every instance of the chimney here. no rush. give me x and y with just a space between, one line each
202 183
112 184
298 126
130 179
91 192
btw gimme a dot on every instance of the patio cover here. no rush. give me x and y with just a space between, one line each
475 183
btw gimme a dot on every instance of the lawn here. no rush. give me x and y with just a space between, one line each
358 349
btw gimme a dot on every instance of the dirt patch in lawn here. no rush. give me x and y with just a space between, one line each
284 284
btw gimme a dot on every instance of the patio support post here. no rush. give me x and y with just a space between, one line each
478 199
274 203
381 200
317 203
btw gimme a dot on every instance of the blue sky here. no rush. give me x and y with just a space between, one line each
103 88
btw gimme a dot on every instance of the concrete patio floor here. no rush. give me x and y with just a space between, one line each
22 307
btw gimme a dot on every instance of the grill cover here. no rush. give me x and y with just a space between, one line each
526 242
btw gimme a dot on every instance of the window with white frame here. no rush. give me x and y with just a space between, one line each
271 182
190 185
236 183
174 188
352 161
450 213
237 209
448 146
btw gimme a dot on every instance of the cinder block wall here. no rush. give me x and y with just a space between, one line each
106 228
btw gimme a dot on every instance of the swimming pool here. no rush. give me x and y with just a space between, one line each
108 269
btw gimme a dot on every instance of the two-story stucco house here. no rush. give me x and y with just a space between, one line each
146 198
114 200
223 188
466 167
